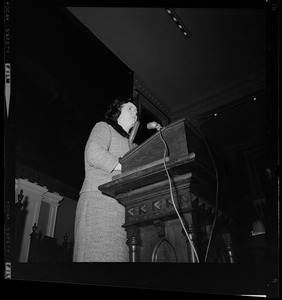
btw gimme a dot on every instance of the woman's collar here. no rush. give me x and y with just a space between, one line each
117 127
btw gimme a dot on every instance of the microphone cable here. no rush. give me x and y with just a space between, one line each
216 196
171 195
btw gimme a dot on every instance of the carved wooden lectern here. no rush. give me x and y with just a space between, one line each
154 230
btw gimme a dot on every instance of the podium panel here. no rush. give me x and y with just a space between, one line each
154 230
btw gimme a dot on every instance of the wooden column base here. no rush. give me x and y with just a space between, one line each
133 242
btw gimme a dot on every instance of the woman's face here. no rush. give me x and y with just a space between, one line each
128 116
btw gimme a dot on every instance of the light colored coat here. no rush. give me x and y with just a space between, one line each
99 235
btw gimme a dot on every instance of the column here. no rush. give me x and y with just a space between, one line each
32 195
133 242
190 228
53 199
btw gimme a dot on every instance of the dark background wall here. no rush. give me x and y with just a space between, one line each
62 81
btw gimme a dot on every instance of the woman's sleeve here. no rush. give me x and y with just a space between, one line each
97 148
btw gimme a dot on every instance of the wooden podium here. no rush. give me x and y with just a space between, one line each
154 231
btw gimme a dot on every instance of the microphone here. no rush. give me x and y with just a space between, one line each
154 125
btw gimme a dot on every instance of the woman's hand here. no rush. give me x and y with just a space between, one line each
118 167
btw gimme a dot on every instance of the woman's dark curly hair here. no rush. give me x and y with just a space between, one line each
114 110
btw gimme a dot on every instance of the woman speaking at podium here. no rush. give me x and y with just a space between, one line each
98 233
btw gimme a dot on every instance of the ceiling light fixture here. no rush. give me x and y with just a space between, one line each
178 22
229 107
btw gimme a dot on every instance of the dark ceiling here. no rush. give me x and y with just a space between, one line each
226 46
190 77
